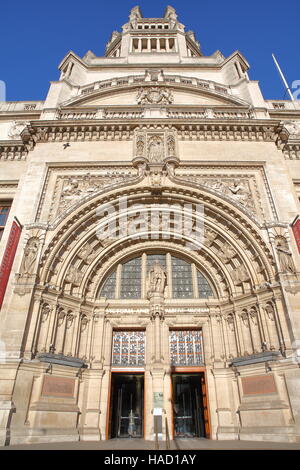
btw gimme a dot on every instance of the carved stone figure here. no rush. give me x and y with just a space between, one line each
226 253
30 254
239 192
210 236
285 256
86 254
270 311
293 127
71 191
157 279
154 95
240 275
45 312
155 149
16 129
74 276
171 146
140 144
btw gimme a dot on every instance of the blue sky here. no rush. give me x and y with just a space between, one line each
36 35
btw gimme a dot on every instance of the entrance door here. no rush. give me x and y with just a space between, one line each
188 405
127 405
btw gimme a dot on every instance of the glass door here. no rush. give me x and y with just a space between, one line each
188 406
127 405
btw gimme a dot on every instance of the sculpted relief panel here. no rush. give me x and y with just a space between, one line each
247 189
69 186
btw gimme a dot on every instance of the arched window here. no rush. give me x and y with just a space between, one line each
129 278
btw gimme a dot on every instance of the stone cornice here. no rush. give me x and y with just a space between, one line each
245 130
100 130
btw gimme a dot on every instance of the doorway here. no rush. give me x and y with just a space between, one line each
189 405
127 406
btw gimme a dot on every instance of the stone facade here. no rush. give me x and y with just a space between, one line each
153 124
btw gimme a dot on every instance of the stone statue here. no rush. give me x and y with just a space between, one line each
142 96
30 254
157 279
171 146
226 253
285 256
74 276
155 149
140 147
238 192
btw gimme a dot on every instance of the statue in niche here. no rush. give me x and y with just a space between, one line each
155 149
171 146
157 279
285 256
45 312
140 147
30 255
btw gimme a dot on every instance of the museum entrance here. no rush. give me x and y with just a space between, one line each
127 406
190 405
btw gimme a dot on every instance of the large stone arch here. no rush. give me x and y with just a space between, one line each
227 222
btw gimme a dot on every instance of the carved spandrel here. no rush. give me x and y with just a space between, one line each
73 188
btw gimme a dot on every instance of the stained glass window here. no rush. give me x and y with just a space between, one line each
128 348
204 288
131 279
109 287
182 278
186 347
183 273
161 258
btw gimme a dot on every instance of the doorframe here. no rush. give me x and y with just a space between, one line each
108 418
193 370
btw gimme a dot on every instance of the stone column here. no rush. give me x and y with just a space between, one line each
34 328
70 324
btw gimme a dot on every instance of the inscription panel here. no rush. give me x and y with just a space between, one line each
58 387
259 385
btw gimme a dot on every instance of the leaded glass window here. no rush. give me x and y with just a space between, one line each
161 258
204 288
109 287
131 279
186 347
182 278
128 348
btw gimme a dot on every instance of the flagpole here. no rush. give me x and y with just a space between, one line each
283 78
